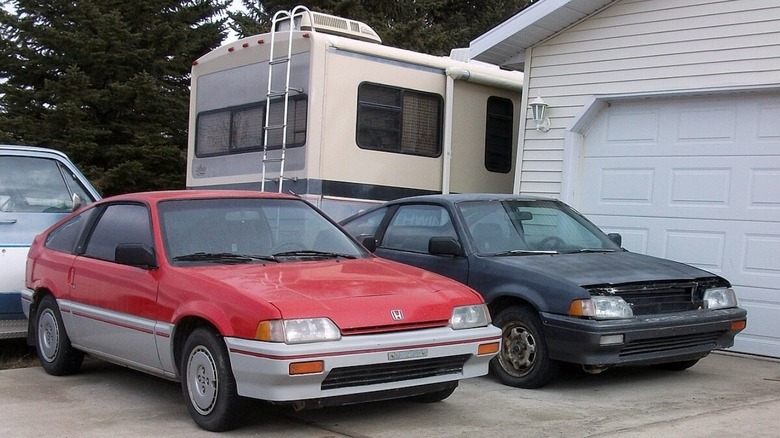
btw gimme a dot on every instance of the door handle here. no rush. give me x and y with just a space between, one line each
7 221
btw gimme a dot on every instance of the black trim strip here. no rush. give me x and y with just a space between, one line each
339 189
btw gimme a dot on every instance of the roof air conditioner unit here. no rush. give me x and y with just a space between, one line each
331 24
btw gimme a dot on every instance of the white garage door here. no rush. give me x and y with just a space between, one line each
697 180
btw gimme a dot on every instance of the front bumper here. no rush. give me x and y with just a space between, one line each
361 368
647 339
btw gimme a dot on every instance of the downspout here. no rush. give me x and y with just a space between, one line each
458 73
446 171
521 129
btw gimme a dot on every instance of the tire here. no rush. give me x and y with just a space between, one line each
436 396
675 366
208 383
57 355
523 361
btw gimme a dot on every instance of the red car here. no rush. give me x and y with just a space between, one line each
247 295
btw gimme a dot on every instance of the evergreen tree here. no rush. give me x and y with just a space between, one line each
428 26
107 82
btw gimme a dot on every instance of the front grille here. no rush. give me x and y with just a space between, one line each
393 371
656 298
644 346
394 327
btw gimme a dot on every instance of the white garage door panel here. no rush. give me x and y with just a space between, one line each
695 180
741 188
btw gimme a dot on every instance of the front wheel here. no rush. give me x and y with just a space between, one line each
57 355
523 361
208 384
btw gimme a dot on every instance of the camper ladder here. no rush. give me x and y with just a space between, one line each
275 95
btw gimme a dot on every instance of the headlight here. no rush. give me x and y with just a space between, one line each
601 307
465 317
720 298
298 331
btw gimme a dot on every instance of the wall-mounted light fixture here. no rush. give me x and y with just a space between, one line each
539 108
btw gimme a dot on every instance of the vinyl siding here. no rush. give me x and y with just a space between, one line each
638 46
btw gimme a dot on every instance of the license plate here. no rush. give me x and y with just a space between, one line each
408 354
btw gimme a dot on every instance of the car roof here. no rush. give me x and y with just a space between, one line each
168 195
460 197
11 149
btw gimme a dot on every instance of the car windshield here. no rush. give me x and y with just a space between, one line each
247 230
37 185
518 227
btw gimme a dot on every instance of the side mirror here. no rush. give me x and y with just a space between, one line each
616 238
369 242
135 254
444 245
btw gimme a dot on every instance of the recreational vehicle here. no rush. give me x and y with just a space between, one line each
351 121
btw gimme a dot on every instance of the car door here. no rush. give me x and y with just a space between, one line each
406 236
114 305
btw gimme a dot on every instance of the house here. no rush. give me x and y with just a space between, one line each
664 126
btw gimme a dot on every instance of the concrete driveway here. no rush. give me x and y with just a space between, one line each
723 395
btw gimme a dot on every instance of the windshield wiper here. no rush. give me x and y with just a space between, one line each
514 252
222 257
313 253
592 250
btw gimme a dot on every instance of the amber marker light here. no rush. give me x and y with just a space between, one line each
490 348
313 367
738 325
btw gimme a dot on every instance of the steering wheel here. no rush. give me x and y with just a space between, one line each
552 242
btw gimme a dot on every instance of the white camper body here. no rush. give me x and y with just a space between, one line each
365 122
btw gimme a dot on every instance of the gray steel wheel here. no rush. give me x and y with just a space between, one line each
57 355
523 360
207 382
48 335
518 351
202 380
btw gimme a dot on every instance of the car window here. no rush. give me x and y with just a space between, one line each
413 226
37 185
65 237
366 225
119 224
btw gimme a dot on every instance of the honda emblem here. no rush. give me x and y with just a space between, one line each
397 314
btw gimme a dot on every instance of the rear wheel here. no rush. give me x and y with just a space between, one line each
523 360
57 355
675 366
208 384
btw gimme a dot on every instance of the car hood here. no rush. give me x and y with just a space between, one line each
358 295
608 268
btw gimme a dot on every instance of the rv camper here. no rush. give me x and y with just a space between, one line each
351 121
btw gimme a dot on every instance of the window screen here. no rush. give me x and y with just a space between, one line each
240 129
498 135
399 120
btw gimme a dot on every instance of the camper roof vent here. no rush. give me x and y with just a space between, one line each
335 25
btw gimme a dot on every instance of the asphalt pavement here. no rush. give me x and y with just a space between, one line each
724 395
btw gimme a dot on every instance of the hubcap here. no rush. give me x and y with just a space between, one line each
201 378
48 336
518 352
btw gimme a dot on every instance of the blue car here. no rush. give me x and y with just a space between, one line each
559 288
38 186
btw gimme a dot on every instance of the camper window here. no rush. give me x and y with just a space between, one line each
399 120
240 129
498 135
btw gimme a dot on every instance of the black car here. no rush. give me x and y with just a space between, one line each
559 288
